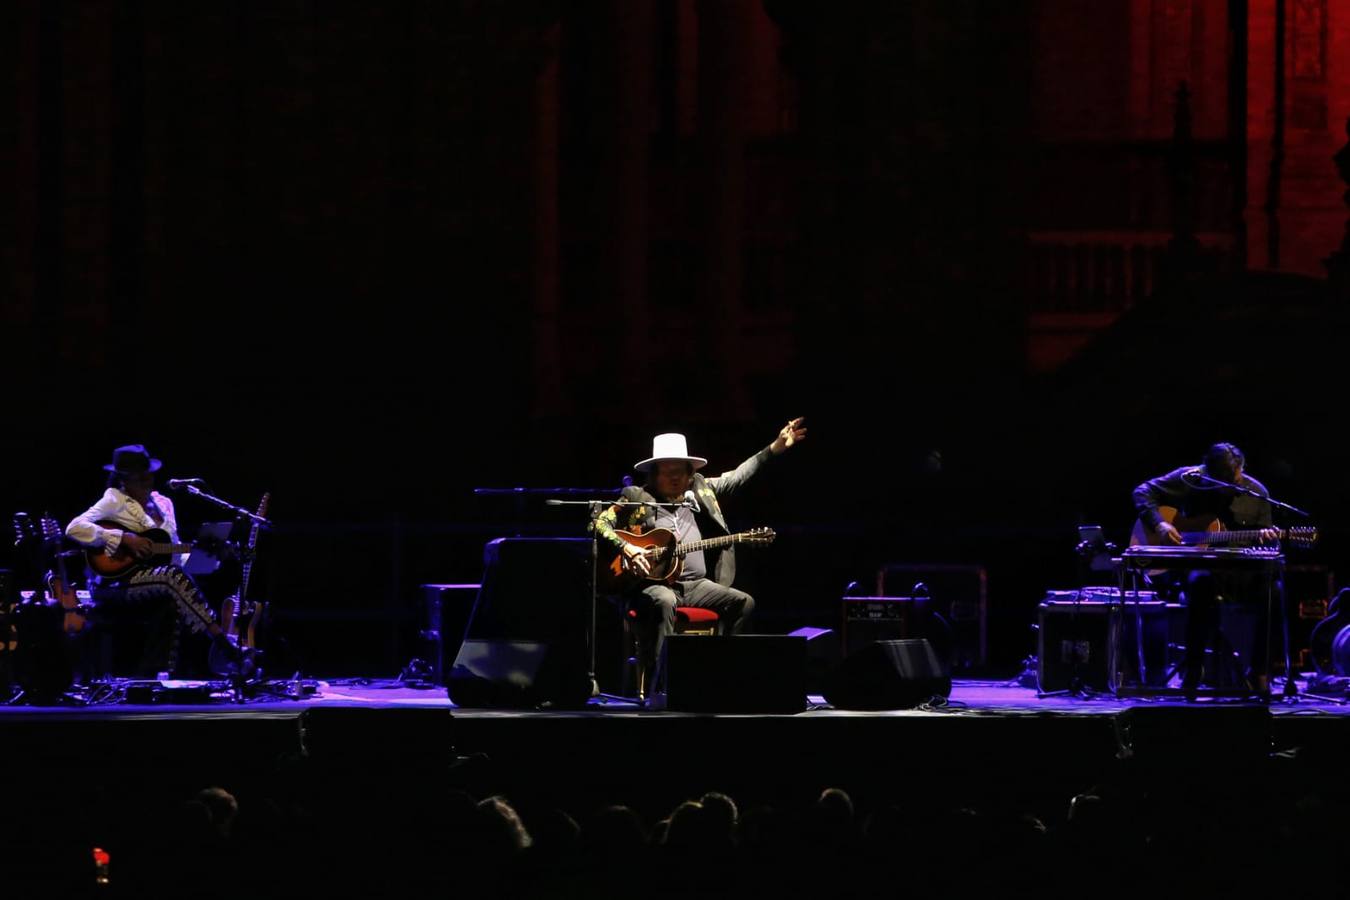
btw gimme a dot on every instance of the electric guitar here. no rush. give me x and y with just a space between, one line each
239 617
44 538
665 556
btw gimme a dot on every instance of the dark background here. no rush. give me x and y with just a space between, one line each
371 256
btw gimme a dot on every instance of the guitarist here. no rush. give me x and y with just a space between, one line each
1200 494
705 581
152 595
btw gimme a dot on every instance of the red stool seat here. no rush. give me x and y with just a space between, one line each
695 615
688 615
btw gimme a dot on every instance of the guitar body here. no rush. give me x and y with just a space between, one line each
622 575
229 616
73 619
257 615
242 620
1144 536
122 562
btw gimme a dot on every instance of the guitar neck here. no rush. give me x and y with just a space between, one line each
243 580
1225 537
164 549
252 543
708 544
248 562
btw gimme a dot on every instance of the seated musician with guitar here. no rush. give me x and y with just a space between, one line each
135 563
1200 505
696 563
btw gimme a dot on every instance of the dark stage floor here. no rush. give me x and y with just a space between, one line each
969 698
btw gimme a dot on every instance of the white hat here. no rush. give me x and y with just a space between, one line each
670 446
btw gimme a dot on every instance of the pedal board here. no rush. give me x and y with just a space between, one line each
178 693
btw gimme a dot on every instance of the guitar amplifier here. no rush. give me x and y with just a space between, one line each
960 600
868 619
1089 637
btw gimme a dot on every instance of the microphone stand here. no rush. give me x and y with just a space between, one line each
239 511
1289 694
595 508
1217 482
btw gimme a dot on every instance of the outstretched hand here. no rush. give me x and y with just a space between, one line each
792 433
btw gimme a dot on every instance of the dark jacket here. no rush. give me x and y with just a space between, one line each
711 522
1194 498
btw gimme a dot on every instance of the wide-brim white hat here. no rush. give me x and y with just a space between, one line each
670 446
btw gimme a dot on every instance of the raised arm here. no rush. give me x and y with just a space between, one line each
789 436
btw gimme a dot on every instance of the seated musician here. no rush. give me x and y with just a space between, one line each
1192 499
706 578
146 589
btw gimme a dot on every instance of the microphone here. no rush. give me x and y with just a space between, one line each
691 501
177 484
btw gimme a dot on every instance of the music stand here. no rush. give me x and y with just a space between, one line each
203 560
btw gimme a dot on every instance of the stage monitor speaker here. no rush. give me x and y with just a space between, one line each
527 641
888 675
731 674
517 675
823 651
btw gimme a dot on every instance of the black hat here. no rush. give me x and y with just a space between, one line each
131 460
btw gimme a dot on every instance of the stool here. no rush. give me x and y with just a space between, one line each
688 620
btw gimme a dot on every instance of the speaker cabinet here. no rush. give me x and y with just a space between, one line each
527 641
732 674
517 675
1088 639
823 652
889 675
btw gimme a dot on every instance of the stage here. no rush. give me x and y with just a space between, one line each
991 740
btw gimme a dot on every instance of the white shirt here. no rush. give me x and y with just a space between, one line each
122 508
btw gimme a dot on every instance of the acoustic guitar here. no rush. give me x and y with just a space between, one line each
162 549
665 556
1207 531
